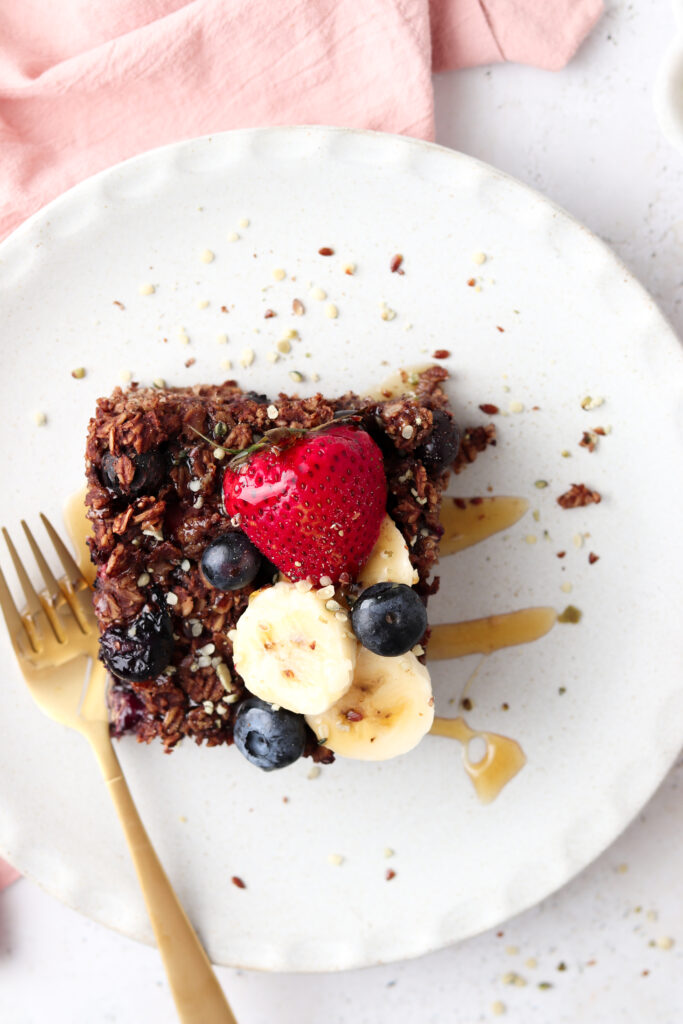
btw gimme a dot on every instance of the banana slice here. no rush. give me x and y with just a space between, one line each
389 559
291 651
387 711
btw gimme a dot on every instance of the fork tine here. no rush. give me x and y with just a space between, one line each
46 571
70 567
9 610
32 599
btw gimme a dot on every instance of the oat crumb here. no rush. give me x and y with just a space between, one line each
498 1008
226 364
244 222
664 942
146 289
233 237
284 345
335 859
386 313
203 304
313 771
279 274
479 258
331 311
247 357
207 256
516 406
566 588
318 293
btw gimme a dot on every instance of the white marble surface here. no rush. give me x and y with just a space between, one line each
588 139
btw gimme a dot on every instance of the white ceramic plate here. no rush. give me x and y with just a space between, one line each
575 324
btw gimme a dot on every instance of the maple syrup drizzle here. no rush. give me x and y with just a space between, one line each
492 633
467 521
79 528
502 760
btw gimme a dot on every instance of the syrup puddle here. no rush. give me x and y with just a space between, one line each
502 759
79 528
466 522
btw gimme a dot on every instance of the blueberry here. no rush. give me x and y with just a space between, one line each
126 710
149 472
389 619
230 562
142 649
269 739
442 446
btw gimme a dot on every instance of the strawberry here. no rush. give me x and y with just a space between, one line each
312 502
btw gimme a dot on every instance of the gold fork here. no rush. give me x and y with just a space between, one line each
52 640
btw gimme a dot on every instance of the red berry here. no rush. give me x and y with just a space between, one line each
312 503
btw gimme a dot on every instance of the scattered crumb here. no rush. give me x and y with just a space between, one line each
318 293
512 950
512 978
441 353
207 256
479 258
593 558
272 356
498 1008
190 362
183 337
577 496
40 419
577 540
395 265
566 588
296 376
326 251
589 440
159 382
664 942
570 614
298 307
516 406
315 377
388 852
540 484
531 962
531 538
386 313
247 357
349 268
272 412
565 453
501 329
119 304
313 771
203 304
389 874
126 376
244 222
622 868
489 408
222 339
651 915
233 237
226 364
146 289
335 859
471 283
279 274
182 819
331 311
78 373
591 403
236 880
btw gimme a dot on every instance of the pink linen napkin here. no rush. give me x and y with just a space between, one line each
87 83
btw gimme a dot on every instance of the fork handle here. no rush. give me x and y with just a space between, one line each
198 996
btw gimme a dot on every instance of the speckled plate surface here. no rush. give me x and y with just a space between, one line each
575 323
